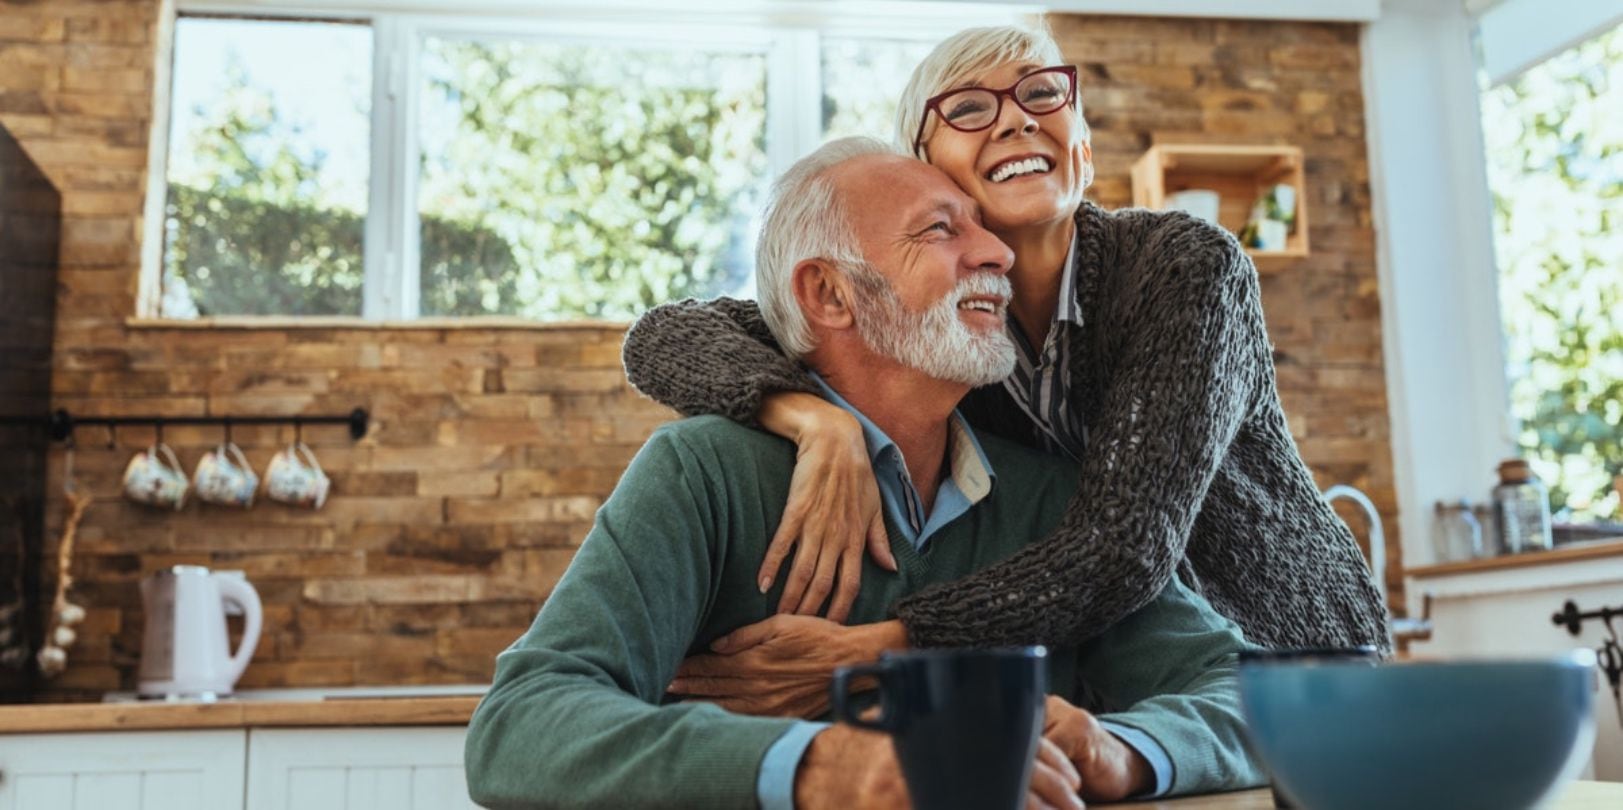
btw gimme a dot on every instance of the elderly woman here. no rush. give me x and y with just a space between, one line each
1143 356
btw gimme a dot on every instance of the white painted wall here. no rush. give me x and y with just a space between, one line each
1439 288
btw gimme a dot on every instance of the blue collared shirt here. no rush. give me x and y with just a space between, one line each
969 481
969 477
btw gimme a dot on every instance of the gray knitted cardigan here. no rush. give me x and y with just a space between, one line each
1189 465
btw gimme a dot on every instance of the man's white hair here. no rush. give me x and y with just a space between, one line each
962 59
805 219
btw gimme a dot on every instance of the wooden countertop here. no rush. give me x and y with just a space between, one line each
1573 552
386 711
1577 796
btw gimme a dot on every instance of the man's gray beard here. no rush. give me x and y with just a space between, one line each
935 342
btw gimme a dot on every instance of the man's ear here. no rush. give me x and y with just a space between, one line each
823 293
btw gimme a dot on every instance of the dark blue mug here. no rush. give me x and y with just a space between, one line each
965 723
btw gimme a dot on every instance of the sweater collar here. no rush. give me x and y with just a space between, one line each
1093 250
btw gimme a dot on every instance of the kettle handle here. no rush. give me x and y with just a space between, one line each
235 589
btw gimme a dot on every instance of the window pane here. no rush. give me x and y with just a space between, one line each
1555 165
862 79
268 165
565 181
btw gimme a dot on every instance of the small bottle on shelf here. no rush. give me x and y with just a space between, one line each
1521 506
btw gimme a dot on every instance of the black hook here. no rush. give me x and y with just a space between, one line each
357 423
227 421
61 424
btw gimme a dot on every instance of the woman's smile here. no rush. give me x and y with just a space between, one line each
1024 170
1019 167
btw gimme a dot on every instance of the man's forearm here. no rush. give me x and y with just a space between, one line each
550 735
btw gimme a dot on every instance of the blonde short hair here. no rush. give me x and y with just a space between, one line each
805 219
965 56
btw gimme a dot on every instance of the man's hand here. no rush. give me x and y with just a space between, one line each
847 768
780 667
1111 770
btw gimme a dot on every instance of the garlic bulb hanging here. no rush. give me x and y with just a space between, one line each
53 657
52 660
70 614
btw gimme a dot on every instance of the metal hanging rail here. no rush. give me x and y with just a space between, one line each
61 424
1571 618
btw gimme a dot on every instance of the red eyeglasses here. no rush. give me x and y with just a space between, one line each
972 109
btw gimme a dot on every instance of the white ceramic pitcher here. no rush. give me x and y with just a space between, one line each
185 652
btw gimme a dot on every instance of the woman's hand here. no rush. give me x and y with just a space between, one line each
833 510
781 667
1111 770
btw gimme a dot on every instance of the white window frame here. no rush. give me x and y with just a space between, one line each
788 34
1442 332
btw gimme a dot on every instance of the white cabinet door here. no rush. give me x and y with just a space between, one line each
1507 613
123 770
357 769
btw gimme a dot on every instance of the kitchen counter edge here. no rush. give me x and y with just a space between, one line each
68 717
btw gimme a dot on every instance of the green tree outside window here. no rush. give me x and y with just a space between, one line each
1555 165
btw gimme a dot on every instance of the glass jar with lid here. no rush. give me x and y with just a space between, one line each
1521 506
1460 535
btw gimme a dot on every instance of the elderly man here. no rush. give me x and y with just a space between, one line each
877 273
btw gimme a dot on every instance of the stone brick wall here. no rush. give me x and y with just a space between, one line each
1146 81
491 447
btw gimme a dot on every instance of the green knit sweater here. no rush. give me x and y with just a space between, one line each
574 717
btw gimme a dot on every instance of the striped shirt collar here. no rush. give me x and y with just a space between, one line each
1069 309
1040 383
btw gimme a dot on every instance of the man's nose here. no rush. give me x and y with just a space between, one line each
987 253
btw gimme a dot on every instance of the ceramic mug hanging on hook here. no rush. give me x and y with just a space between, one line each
223 477
156 481
295 477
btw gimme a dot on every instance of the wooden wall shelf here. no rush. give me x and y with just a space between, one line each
1238 173
1571 552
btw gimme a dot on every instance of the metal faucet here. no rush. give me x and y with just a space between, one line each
1377 537
1403 630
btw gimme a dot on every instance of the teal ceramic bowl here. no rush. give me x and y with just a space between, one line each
1485 735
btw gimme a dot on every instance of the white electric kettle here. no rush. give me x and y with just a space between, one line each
185 653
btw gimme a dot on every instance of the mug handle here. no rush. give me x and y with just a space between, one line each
242 460
309 456
839 691
174 463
